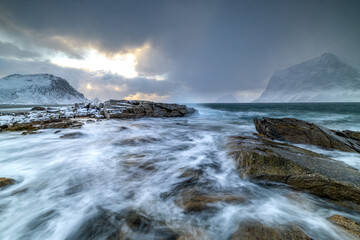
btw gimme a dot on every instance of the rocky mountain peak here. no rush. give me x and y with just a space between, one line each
37 89
323 79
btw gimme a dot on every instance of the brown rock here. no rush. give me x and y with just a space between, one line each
4 182
193 200
298 131
262 159
352 134
193 233
33 126
258 231
346 224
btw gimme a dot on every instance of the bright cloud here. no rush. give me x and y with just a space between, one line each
121 64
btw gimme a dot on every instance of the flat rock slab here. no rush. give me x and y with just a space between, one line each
298 131
262 159
259 231
138 109
33 126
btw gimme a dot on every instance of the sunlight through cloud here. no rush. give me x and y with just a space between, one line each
121 64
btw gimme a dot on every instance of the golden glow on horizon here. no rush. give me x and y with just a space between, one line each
146 96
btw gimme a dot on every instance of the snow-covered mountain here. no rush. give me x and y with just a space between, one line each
227 99
37 89
323 79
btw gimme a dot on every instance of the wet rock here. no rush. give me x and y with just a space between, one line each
140 226
258 231
194 233
262 159
53 123
4 182
352 134
38 108
191 173
298 131
23 127
137 109
139 163
137 141
190 178
346 224
122 128
29 133
73 135
192 200
4 127
104 224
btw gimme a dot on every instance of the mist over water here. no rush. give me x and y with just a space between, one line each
64 184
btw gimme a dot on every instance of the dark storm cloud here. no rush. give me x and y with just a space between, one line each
11 50
210 47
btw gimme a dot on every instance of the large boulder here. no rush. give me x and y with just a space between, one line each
298 131
263 159
137 109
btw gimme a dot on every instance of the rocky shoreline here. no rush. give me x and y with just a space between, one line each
258 158
75 116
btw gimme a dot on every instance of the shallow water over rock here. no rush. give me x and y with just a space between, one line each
127 178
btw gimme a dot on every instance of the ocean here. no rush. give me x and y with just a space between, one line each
65 186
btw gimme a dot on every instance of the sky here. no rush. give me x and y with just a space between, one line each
173 51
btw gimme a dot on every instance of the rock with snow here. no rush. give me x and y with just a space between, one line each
227 99
75 116
37 89
323 79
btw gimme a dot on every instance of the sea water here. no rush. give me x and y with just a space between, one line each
63 184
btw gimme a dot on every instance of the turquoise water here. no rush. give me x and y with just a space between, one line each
339 116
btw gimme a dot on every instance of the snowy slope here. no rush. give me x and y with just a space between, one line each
323 79
37 89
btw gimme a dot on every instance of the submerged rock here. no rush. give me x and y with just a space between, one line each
73 135
346 224
192 200
4 182
298 131
137 225
259 231
137 109
262 159
38 108
137 141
